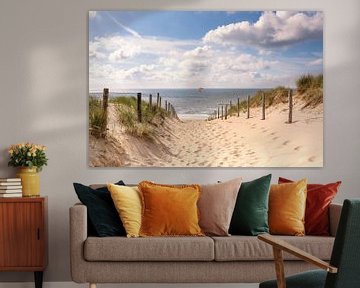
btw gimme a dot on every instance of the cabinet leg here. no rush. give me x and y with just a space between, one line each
38 279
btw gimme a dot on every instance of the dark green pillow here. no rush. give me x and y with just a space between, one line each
103 218
250 216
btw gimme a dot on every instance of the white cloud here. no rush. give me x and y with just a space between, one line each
126 62
124 52
92 14
316 62
273 29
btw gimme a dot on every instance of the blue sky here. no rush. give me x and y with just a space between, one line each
214 49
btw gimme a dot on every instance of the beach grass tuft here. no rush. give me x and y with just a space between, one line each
310 87
97 118
126 109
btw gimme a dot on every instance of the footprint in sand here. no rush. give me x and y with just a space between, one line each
312 159
297 148
273 133
286 142
276 137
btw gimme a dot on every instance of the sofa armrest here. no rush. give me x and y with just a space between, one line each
78 235
334 217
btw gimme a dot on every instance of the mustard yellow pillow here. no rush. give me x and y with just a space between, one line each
169 210
127 201
287 204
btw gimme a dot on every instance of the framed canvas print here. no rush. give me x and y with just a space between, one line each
205 89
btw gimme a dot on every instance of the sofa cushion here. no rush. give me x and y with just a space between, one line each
149 249
287 204
216 206
127 201
103 218
244 248
169 210
250 216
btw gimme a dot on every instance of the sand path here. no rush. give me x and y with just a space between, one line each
235 142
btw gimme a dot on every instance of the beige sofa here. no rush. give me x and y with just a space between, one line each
234 259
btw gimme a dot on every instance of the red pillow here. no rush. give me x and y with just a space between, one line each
319 197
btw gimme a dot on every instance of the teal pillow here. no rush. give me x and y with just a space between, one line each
250 216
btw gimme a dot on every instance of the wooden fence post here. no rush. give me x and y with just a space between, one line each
160 102
166 106
105 106
290 94
218 112
157 100
263 106
105 99
238 107
222 112
226 109
150 102
139 107
248 107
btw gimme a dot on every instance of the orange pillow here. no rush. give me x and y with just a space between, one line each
287 204
169 210
318 200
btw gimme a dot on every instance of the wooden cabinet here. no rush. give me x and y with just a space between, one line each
23 235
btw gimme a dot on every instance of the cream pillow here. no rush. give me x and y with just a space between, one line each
127 201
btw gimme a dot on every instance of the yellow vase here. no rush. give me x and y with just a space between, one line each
30 181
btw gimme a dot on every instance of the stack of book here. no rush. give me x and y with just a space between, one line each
10 187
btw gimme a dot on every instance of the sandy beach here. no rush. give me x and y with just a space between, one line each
235 142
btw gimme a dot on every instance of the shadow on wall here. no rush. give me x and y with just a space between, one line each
45 57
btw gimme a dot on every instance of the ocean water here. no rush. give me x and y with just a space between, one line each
190 103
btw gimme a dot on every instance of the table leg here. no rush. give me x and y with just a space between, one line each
38 279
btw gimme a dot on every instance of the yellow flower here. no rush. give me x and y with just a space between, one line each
29 154
11 151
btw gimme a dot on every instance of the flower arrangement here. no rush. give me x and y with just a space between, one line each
27 155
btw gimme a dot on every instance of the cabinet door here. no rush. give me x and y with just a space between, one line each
21 234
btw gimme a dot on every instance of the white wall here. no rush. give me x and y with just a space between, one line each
43 86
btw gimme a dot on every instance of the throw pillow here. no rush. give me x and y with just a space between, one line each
127 201
287 204
216 206
250 215
319 197
101 211
169 210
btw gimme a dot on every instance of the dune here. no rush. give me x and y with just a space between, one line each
235 142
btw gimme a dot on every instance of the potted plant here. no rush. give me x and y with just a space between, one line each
30 158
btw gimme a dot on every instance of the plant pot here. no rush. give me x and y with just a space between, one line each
30 181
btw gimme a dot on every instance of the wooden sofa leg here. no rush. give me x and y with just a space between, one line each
92 285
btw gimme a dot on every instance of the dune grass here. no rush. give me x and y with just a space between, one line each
308 87
126 109
97 118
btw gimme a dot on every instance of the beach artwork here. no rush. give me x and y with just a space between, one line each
205 89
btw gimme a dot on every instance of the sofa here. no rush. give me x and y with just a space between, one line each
233 259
